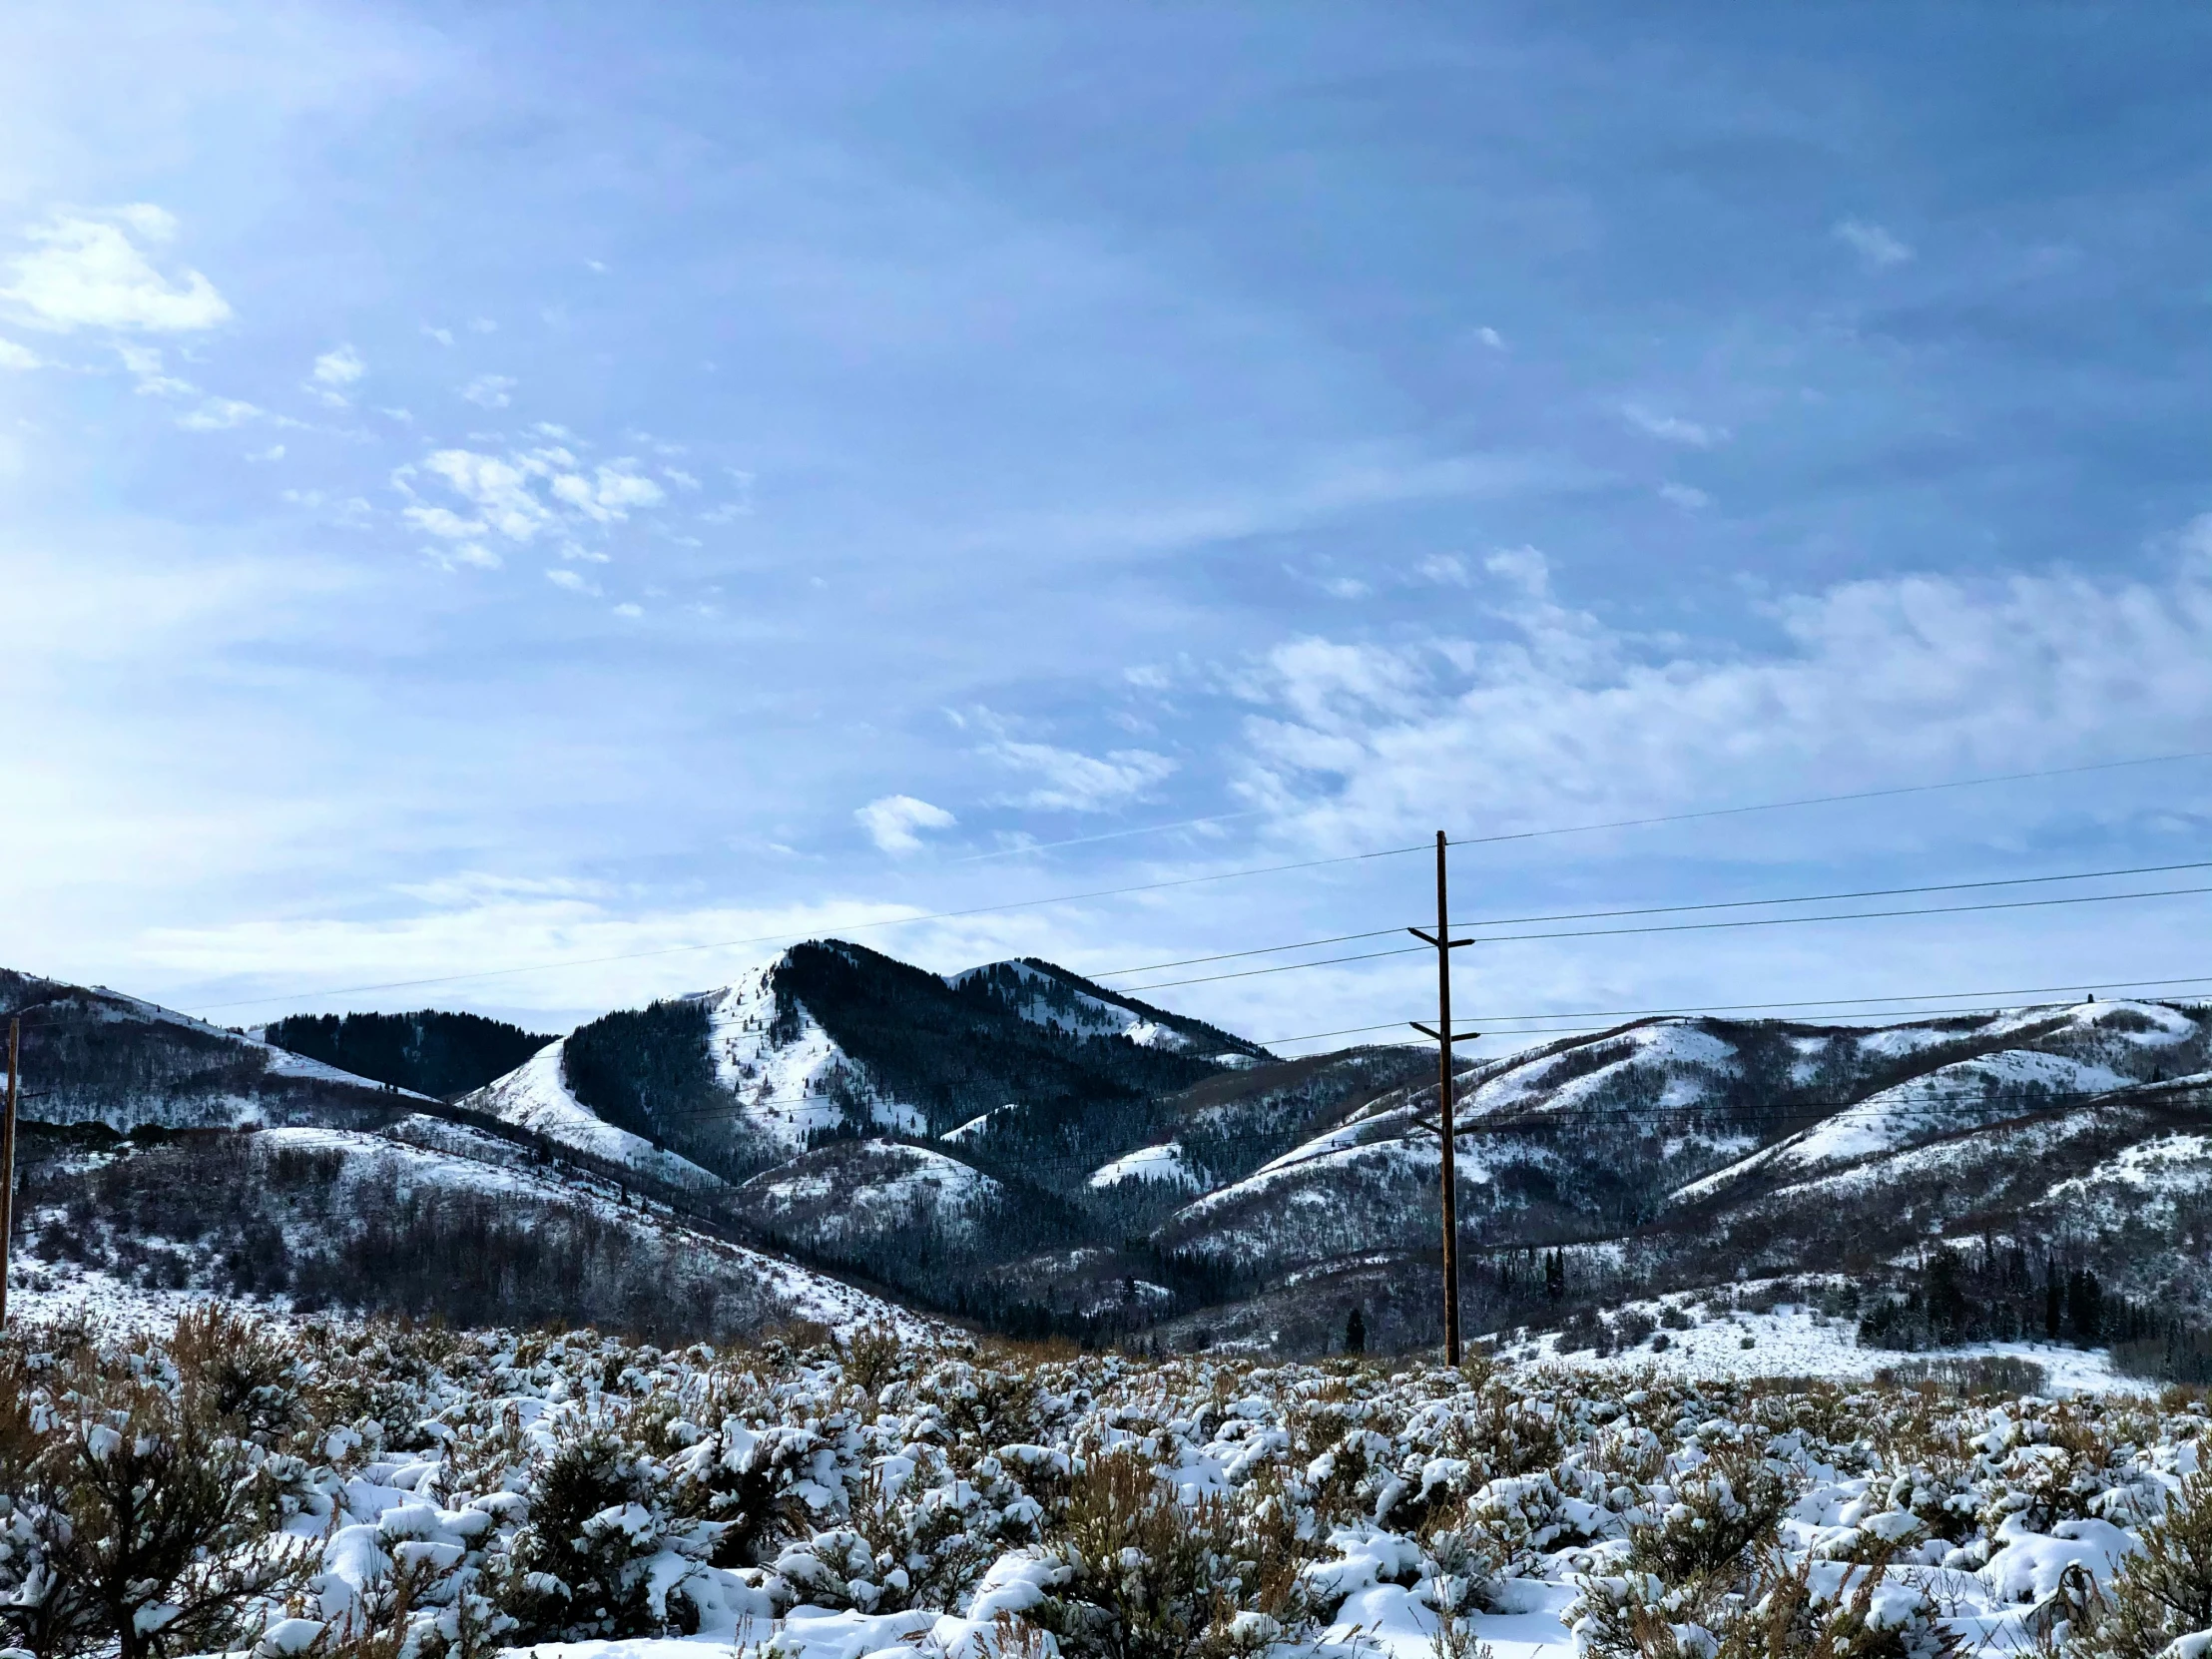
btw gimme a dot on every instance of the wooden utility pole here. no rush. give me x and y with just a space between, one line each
7 1163
1445 945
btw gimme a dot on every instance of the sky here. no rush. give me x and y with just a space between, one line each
527 507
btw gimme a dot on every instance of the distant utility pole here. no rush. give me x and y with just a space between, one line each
1446 1037
7 1163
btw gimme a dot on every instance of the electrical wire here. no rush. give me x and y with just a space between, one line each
1672 909
1684 928
1215 875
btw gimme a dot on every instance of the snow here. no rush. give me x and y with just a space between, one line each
1686 1053
1795 1340
891 1183
979 1123
2163 1168
1064 1005
786 1090
1964 1094
1164 1163
2168 1025
462 1160
1502 1499
535 1096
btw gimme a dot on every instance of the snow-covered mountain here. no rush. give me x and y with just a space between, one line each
1019 1146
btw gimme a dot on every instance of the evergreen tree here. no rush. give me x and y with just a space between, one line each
1355 1332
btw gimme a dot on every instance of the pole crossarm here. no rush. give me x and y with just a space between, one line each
1440 944
1435 1035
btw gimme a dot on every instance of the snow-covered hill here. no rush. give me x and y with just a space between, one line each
91 1054
535 1096
426 1218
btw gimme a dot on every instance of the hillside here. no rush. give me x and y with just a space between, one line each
95 1056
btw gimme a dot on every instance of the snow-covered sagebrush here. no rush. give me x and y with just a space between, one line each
394 1493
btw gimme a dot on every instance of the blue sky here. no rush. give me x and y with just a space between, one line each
519 484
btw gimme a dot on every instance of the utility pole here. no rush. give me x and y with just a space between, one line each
7 1163
1445 945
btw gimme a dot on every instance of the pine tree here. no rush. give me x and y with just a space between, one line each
1355 1332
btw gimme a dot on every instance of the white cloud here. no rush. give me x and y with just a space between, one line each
490 391
474 554
679 477
573 581
524 493
89 272
629 610
275 452
483 326
1491 338
144 364
219 415
1345 587
1878 682
340 367
1524 567
1444 569
499 489
1875 246
610 495
444 336
1685 496
13 356
1673 428
597 267
1073 782
444 522
893 820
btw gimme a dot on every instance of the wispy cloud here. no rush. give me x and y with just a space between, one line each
1877 247
1672 428
219 415
1073 782
490 391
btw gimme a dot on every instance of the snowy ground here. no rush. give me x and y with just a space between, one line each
930 1500
1796 1340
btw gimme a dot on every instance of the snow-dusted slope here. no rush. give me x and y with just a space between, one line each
849 1189
1163 1163
374 1175
535 1096
155 1065
1667 1065
1046 995
787 1083
1966 1094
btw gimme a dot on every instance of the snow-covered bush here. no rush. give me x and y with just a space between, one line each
2161 1596
367 1491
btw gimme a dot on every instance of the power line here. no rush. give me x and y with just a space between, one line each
1688 928
1671 909
1216 875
